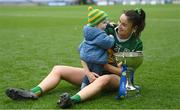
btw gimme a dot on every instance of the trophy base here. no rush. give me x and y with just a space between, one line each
133 91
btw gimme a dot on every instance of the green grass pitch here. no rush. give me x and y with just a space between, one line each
33 39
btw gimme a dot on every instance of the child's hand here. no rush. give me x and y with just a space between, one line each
112 23
119 64
111 36
92 76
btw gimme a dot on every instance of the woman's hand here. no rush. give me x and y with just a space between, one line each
113 69
120 64
92 76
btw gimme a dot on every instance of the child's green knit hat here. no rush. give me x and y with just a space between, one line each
95 16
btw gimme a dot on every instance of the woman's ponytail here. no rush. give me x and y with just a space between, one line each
137 17
141 23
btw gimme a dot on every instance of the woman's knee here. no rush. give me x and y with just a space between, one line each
108 81
104 80
57 70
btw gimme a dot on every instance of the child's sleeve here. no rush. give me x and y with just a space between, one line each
104 41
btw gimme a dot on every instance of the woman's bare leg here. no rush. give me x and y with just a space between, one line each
71 74
104 82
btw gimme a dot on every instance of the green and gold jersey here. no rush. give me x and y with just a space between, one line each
132 44
129 45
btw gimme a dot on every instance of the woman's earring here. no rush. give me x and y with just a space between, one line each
135 29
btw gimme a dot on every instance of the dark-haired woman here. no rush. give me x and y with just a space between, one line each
126 34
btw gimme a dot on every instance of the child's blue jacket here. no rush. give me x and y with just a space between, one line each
94 47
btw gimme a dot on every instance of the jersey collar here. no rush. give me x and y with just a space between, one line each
119 39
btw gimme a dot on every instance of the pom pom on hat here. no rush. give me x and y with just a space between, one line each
90 8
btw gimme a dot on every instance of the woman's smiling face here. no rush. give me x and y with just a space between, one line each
125 27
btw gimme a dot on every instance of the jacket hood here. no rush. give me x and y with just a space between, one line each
90 33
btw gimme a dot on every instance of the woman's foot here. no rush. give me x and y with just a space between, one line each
19 94
65 101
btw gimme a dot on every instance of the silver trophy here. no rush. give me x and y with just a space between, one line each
133 60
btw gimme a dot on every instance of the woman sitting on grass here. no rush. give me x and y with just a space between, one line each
126 34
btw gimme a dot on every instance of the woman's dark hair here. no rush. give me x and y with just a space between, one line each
137 17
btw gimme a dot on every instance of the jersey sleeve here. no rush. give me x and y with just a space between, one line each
139 46
110 29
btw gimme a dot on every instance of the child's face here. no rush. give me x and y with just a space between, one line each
102 25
